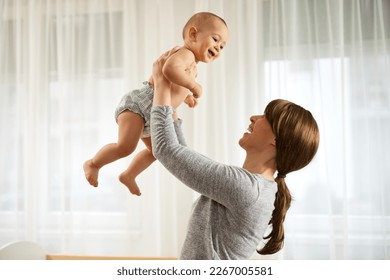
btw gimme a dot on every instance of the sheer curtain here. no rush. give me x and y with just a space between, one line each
65 64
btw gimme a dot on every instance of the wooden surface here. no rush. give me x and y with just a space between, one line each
76 257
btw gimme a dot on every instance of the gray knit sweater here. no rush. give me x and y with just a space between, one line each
230 217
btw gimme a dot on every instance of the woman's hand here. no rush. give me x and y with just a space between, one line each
159 64
162 87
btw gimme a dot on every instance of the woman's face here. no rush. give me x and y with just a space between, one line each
259 135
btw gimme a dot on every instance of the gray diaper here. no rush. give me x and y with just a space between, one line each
140 102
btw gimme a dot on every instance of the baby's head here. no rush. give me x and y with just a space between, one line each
205 34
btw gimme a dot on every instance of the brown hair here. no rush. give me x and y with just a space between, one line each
200 19
297 140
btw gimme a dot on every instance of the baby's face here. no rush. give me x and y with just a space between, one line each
210 41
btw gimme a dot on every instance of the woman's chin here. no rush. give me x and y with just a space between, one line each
241 142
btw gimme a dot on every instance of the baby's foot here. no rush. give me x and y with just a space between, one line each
91 173
130 183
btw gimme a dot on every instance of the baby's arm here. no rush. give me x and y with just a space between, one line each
181 69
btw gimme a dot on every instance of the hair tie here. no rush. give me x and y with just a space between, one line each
281 176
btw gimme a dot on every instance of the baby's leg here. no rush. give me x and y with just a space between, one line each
140 162
130 126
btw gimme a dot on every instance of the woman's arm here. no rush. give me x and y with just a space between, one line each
179 133
226 185
230 186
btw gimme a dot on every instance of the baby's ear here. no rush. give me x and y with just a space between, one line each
192 33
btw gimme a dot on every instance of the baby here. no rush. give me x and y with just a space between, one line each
205 35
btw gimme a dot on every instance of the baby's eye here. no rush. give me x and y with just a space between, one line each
215 39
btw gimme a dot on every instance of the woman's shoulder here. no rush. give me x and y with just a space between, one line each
250 184
258 177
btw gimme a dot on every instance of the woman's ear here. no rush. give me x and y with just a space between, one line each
192 32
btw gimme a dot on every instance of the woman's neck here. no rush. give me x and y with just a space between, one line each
266 168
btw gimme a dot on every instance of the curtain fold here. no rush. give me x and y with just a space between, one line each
65 64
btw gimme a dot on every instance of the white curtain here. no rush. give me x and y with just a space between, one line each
64 65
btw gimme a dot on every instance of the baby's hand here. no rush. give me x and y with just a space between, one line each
197 90
191 101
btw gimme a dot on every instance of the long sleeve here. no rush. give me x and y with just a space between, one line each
179 133
222 183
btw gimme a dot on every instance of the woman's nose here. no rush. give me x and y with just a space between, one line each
255 118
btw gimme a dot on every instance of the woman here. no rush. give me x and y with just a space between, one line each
236 204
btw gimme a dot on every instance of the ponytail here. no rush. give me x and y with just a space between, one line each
282 204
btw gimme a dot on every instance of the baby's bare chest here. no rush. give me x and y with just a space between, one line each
178 94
